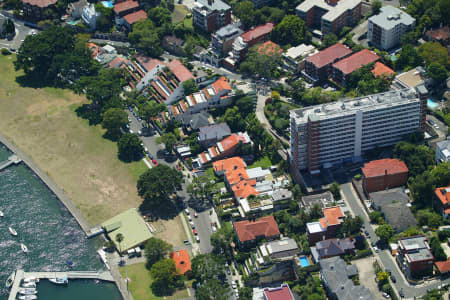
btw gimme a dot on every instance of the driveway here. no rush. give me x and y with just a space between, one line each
359 31
384 256
367 275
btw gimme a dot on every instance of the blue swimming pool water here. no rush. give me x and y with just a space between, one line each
304 261
432 104
108 4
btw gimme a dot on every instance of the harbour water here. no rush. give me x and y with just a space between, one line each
52 235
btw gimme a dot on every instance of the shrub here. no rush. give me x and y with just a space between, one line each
5 51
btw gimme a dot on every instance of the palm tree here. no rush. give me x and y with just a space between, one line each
119 240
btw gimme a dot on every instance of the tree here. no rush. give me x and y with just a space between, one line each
437 72
297 192
418 158
106 19
363 82
433 52
145 37
155 250
408 58
168 139
291 30
222 239
130 147
246 105
329 40
164 274
119 240
382 277
113 120
335 190
160 16
351 226
384 232
9 27
189 87
234 119
208 271
376 7
375 216
151 109
245 11
213 289
201 187
436 250
158 183
260 65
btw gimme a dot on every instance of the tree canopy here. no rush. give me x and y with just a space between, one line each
189 87
418 158
168 139
158 183
291 31
245 11
130 147
208 271
201 187
113 120
384 232
262 65
155 250
164 275
363 82
146 38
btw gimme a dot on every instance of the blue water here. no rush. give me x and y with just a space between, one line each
304 261
432 104
50 232
393 57
108 4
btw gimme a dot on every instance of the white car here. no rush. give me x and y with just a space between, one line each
192 224
197 239
376 249
131 131
186 211
146 150
214 229
189 218
386 295
233 285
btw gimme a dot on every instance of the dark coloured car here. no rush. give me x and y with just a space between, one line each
394 280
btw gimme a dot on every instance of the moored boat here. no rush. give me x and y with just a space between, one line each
27 291
59 280
30 279
10 280
24 248
1 214
28 297
29 284
12 231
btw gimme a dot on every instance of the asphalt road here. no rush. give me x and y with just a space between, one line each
21 32
203 221
386 258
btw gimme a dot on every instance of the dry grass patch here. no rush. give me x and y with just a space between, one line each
43 124
171 231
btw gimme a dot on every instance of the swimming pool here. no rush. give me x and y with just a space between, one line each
432 104
108 4
304 261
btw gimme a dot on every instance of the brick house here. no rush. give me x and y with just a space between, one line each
382 174
34 9
342 69
211 15
249 232
442 199
414 255
326 227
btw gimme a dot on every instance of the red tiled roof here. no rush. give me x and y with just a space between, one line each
136 16
179 70
229 164
269 48
182 260
442 33
40 3
124 6
94 49
328 55
356 61
380 69
382 166
147 63
221 84
443 195
117 62
257 32
249 231
280 293
231 141
332 216
244 188
443 266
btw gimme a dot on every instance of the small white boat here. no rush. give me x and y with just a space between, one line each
24 248
30 279
29 284
59 280
28 297
1 214
10 280
27 291
12 231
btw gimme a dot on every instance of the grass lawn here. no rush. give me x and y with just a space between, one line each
188 23
179 13
171 231
43 124
140 282
263 163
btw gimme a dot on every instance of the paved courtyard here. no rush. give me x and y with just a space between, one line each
367 275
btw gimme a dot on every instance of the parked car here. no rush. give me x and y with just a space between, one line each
197 239
366 233
401 293
228 271
186 211
192 224
214 229
386 295
195 214
195 231
150 155
394 280
376 249
189 218
154 162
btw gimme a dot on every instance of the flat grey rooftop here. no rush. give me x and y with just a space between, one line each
333 11
390 16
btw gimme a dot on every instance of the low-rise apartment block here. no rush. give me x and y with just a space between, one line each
318 66
34 10
341 70
295 58
327 227
210 15
386 29
443 151
382 174
442 199
248 232
330 134
330 15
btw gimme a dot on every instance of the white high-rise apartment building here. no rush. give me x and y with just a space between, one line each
332 133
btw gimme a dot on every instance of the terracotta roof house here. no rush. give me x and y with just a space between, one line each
380 69
34 9
442 199
443 266
327 226
344 67
258 34
250 231
282 292
182 260
225 165
318 66
179 70
132 18
384 174
123 8
440 35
